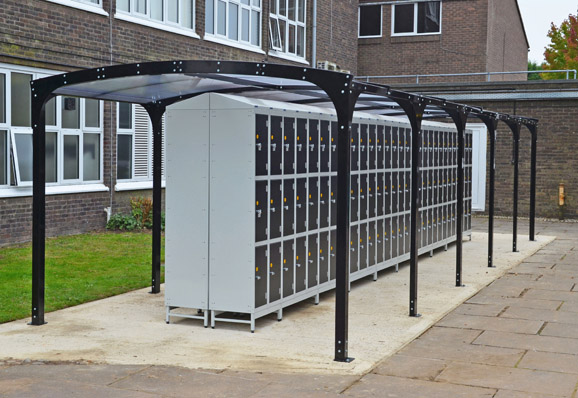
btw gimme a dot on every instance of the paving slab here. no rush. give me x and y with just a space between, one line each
562 363
411 367
490 323
508 378
448 335
528 342
540 315
480 309
518 394
569 307
517 302
551 295
568 330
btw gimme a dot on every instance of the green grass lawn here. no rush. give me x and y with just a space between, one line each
79 269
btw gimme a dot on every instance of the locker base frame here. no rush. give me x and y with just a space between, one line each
204 317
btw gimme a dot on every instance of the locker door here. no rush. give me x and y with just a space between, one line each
400 191
312 264
444 227
435 190
363 246
288 207
289 145
300 264
332 257
301 205
387 239
371 244
380 195
372 195
354 206
260 211
276 145
301 146
435 148
393 236
380 148
288 267
262 145
406 190
333 201
324 202
387 192
313 202
275 207
430 149
324 146
324 256
333 149
379 239
354 247
401 147
313 143
434 226
260 276
401 235
363 196
394 148
430 190
275 272
355 147
406 232
387 147
372 147
423 227
394 193
430 221
408 148
363 146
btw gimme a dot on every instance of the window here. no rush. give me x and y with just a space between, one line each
287 26
177 13
370 21
94 6
73 134
234 20
417 18
124 141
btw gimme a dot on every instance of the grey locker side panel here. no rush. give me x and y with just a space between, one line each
187 263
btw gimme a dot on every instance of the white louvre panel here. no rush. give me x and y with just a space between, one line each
141 143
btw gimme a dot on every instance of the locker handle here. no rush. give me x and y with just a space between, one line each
259 213
333 200
361 246
286 147
332 254
371 147
378 241
311 147
353 148
285 269
259 146
333 147
257 277
272 210
322 202
362 148
379 194
272 273
371 195
362 196
311 203
353 198
286 207
353 249
273 147
379 148
370 243
310 261
321 258
298 205
299 147
298 265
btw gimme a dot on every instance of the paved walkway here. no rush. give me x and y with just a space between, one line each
517 337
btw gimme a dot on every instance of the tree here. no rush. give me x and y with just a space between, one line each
533 66
562 52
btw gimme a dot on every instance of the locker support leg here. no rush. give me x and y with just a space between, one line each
279 314
252 323
317 299
375 274
213 319
206 319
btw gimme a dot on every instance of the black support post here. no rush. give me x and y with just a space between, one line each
492 125
534 131
156 112
515 127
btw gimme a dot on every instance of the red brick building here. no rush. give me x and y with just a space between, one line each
441 37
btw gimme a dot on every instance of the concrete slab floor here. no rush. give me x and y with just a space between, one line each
130 330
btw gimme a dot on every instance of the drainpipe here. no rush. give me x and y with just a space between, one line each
314 37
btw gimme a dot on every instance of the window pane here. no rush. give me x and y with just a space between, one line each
428 17
283 7
173 10
51 156
255 27
141 6
71 158
124 115
210 16
245 24
403 21
301 41
3 157
91 157
291 40
123 5
274 30
20 93
233 21
301 11
256 3
124 157
70 113
24 153
187 14
246 2
283 31
292 9
370 21
91 113
2 98
221 18
273 6
50 110
157 9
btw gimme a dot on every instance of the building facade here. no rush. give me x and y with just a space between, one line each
441 37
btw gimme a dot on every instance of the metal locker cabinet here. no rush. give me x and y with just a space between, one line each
380 147
288 267
313 203
274 271
430 217
260 276
379 239
324 256
371 244
363 146
301 205
406 233
434 225
407 190
288 207
363 197
401 235
276 145
300 264
371 195
312 263
332 257
387 193
301 146
394 148
333 157
354 204
387 239
261 210
275 209
363 248
393 236
288 145
387 145
324 201
354 249
324 146
394 193
313 146
354 147
372 147
423 227
333 202
379 195
262 145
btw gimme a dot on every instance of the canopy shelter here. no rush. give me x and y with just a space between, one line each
155 85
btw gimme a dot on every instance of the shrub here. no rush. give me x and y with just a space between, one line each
141 216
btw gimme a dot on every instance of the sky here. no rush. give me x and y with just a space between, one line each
537 16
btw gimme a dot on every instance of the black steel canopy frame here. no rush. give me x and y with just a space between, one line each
155 85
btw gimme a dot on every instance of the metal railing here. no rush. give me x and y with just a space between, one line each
488 74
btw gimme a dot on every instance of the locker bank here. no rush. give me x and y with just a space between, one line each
250 208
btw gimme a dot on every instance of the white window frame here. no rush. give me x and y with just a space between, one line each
279 51
359 21
239 43
130 132
145 19
415 10
82 5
